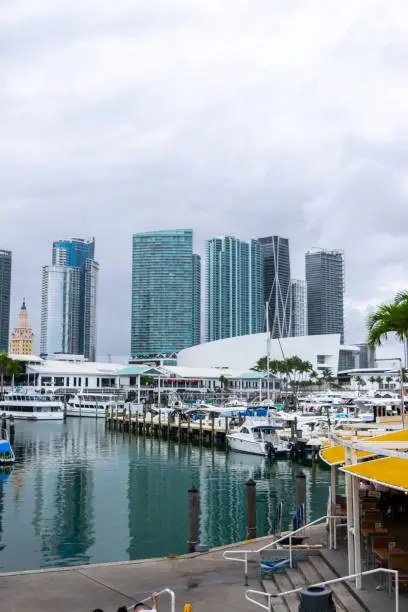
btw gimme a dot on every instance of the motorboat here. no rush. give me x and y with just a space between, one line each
6 452
93 405
258 437
32 406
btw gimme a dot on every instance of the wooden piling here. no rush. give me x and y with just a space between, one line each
193 519
301 492
250 489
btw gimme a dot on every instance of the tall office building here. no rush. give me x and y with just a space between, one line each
5 293
299 308
22 338
69 295
165 299
366 357
276 284
325 292
233 288
196 299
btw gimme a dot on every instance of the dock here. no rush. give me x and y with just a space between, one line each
205 580
175 428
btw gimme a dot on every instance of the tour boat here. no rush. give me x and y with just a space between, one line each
258 437
88 405
32 407
6 452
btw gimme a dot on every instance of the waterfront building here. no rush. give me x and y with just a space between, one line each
233 288
69 299
22 338
5 293
275 262
165 299
323 351
325 292
299 308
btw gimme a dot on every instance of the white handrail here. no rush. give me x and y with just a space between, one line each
172 599
246 553
271 596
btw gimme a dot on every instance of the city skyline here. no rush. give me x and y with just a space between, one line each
268 133
199 312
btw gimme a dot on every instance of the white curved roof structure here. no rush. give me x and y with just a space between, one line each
242 352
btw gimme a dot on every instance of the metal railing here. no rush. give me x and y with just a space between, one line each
271 596
162 592
245 553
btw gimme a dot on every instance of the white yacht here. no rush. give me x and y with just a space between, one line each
258 437
32 407
88 405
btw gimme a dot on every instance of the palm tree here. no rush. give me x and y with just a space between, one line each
327 376
372 380
387 319
13 369
358 380
379 380
4 360
389 380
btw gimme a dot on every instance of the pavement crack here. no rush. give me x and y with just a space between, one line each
107 586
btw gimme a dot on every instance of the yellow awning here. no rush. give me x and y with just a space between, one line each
394 436
389 472
335 455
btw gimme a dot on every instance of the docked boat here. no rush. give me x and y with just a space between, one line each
6 452
258 437
94 406
32 407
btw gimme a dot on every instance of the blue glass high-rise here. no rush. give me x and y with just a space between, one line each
165 299
68 310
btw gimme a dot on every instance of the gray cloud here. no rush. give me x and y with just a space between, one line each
247 118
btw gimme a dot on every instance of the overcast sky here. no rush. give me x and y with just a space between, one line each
246 117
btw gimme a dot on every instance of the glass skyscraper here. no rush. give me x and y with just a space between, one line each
196 299
276 284
69 295
325 292
165 293
299 308
5 293
233 288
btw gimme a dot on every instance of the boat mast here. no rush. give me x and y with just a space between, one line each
268 351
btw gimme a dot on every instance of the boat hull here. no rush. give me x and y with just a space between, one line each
33 416
251 447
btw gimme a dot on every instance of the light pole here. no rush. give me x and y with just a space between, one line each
402 385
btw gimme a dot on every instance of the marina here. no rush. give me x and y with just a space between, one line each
79 493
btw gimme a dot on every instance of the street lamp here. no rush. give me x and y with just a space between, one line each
402 384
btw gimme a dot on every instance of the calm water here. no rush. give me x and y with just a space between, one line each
79 494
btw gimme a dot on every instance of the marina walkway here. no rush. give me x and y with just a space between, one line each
207 581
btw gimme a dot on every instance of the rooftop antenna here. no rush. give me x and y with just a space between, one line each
109 358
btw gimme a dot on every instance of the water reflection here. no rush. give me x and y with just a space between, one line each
79 494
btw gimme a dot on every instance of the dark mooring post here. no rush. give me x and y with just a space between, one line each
250 488
193 517
301 492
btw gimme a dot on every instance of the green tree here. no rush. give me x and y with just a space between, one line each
389 380
13 369
327 376
387 319
4 360
224 383
372 379
379 380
